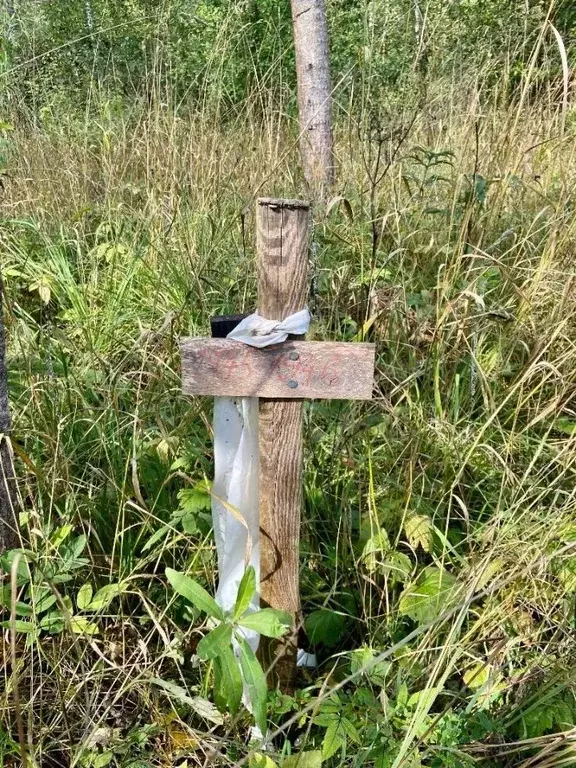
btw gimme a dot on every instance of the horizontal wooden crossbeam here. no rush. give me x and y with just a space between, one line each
294 369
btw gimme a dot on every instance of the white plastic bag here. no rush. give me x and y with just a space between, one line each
235 499
259 332
235 496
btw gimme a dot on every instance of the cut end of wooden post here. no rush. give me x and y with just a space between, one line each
280 202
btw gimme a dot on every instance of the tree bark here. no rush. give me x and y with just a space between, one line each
8 491
314 92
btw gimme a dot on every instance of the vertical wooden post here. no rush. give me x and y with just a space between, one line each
282 245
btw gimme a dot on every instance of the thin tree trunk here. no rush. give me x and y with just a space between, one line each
418 22
8 492
89 16
314 91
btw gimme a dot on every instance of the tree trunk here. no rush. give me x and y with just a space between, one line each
89 16
8 492
314 92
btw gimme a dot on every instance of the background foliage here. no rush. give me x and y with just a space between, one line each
438 571
230 49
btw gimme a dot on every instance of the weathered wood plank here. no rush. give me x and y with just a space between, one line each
282 247
292 370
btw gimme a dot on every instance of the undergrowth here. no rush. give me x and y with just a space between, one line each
438 574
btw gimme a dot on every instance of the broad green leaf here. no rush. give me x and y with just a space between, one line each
81 626
432 593
194 593
73 550
325 626
110 252
246 591
396 566
53 622
375 550
193 500
227 682
268 622
84 596
189 523
23 574
61 578
402 695
477 676
215 641
568 532
156 537
362 663
60 535
563 714
418 530
104 596
538 721
325 720
23 609
334 739
182 462
565 425
260 760
312 759
565 571
19 625
102 760
350 730
255 681
44 602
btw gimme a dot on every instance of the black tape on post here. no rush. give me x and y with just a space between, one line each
222 325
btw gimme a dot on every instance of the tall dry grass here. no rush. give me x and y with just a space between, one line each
449 241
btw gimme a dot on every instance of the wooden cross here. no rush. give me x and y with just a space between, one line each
282 375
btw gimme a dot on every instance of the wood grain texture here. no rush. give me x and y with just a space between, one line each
293 370
282 246
280 511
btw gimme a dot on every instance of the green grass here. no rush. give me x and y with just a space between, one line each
438 578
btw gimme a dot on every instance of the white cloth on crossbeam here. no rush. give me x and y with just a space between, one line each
235 499
259 332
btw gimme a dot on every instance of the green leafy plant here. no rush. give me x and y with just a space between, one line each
226 646
40 606
189 515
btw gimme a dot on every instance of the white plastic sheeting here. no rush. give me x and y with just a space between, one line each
235 499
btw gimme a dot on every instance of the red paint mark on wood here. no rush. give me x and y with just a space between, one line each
321 370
